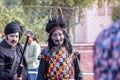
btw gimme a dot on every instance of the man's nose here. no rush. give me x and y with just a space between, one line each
58 37
14 38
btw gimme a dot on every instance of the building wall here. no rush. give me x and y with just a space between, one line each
94 21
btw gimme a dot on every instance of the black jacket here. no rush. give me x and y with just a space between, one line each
7 55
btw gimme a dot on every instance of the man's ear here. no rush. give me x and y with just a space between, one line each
6 36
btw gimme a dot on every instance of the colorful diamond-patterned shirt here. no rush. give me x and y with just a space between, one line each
60 65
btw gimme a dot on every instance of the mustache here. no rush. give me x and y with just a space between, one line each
57 40
13 41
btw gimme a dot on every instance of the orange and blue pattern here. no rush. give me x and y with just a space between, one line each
60 66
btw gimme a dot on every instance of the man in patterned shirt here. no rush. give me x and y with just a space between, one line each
59 60
107 53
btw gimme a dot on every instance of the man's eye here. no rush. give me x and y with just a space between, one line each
17 36
54 35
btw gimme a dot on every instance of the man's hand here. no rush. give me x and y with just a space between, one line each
17 78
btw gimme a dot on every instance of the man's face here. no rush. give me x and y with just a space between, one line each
12 39
58 37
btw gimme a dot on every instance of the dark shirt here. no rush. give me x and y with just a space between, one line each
7 56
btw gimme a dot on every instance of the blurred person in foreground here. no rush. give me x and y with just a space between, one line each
59 60
11 52
32 52
107 53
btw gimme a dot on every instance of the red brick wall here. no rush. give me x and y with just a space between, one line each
86 60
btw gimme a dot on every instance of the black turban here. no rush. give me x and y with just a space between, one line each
13 27
55 22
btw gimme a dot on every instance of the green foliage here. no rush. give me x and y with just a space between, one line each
29 2
68 8
33 20
116 13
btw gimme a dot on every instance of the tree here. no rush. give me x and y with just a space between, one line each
31 20
68 8
116 13
34 13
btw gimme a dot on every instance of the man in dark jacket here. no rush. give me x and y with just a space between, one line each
10 54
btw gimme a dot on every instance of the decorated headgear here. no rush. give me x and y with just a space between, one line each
55 23
13 27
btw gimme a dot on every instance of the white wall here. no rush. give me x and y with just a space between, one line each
93 24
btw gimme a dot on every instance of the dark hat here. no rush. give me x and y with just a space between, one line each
55 23
30 32
13 27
